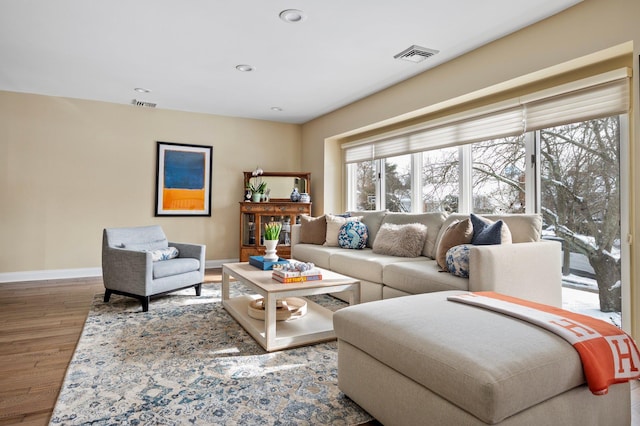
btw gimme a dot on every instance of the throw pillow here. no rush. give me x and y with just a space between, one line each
313 230
459 232
334 223
163 254
458 260
487 232
373 220
400 240
353 235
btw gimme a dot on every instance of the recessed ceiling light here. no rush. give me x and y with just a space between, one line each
277 109
142 90
244 68
293 16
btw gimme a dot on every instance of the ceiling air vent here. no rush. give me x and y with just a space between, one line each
143 103
415 54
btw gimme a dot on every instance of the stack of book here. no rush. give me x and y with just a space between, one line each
288 277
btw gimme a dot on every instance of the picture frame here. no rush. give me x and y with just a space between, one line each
183 179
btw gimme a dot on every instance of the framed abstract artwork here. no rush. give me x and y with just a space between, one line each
183 180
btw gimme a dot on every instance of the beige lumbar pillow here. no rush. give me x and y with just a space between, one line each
459 232
334 223
400 240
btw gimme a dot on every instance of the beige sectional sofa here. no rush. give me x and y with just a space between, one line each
529 268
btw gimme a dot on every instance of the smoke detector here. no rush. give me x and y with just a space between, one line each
415 54
137 102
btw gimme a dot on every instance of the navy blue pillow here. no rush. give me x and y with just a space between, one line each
485 234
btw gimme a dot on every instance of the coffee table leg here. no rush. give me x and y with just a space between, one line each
225 285
270 320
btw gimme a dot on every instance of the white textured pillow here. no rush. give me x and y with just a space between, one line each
164 254
334 223
400 240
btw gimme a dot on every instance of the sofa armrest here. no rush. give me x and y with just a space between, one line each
531 271
127 270
196 251
295 235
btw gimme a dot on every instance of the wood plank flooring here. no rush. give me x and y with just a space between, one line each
40 324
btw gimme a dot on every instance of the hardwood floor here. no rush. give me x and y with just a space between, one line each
40 324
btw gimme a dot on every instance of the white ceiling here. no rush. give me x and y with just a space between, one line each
185 51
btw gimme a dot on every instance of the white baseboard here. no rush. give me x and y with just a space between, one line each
61 274
52 274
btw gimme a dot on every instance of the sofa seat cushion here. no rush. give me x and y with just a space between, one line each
318 255
167 268
364 264
423 276
488 364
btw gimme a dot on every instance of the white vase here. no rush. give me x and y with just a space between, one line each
270 254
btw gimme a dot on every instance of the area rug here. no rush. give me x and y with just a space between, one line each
186 361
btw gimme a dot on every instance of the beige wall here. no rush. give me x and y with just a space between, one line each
69 168
588 32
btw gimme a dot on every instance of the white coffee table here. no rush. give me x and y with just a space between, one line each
316 326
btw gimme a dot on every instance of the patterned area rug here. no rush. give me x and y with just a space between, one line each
186 361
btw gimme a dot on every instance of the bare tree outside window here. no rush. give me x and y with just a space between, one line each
397 183
581 197
441 180
365 185
499 176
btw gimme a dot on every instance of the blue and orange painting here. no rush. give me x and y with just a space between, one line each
184 180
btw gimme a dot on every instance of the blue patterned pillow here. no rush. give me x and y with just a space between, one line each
458 260
353 235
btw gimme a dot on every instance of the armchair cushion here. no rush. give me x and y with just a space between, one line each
177 266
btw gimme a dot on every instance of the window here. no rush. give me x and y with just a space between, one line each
498 178
397 183
555 152
440 180
580 192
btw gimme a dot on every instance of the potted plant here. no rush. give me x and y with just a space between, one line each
271 238
256 185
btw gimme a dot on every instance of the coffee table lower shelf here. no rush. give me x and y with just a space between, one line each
314 327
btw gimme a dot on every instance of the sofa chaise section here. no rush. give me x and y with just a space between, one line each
425 360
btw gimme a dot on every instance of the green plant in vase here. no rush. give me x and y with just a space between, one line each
272 230
271 237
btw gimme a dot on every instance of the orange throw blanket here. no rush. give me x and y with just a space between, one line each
607 353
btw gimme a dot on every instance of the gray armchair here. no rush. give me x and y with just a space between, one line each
128 267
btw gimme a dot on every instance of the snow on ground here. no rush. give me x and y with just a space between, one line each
580 295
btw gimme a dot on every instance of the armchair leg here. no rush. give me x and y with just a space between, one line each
145 303
198 289
107 295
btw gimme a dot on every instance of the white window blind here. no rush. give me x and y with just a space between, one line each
599 96
600 101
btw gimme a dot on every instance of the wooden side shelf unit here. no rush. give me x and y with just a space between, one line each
253 216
